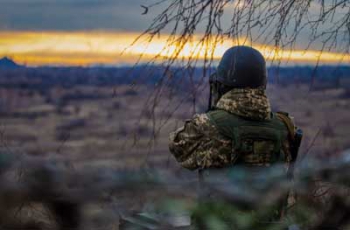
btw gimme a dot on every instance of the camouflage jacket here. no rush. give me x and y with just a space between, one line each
198 144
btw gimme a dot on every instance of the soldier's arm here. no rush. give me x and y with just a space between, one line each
199 145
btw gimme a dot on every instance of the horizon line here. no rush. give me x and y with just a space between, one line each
100 47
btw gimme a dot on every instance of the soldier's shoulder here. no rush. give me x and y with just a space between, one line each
203 121
283 113
286 115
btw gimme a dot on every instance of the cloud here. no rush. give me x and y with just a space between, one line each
72 15
116 15
89 48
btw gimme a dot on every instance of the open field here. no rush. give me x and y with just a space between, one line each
117 128
112 126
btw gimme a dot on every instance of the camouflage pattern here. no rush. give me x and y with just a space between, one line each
250 103
198 144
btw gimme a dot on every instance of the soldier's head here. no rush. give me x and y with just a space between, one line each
240 67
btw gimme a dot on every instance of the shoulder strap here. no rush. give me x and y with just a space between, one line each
229 124
288 123
224 121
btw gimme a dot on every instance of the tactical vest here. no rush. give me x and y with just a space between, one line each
254 143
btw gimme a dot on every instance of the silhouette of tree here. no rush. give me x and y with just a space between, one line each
206 23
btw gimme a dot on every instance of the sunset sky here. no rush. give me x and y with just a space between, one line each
93 32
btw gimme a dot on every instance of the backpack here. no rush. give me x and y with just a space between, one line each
254 143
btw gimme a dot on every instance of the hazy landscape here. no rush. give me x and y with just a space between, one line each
104 115
120 118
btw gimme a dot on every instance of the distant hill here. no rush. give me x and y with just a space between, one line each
44 78
6 63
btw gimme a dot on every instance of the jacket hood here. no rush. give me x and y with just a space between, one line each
247 103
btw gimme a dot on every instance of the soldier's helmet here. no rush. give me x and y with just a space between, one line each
241 67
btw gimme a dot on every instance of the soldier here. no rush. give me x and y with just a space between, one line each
239 127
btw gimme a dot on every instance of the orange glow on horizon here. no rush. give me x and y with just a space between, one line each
88 48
